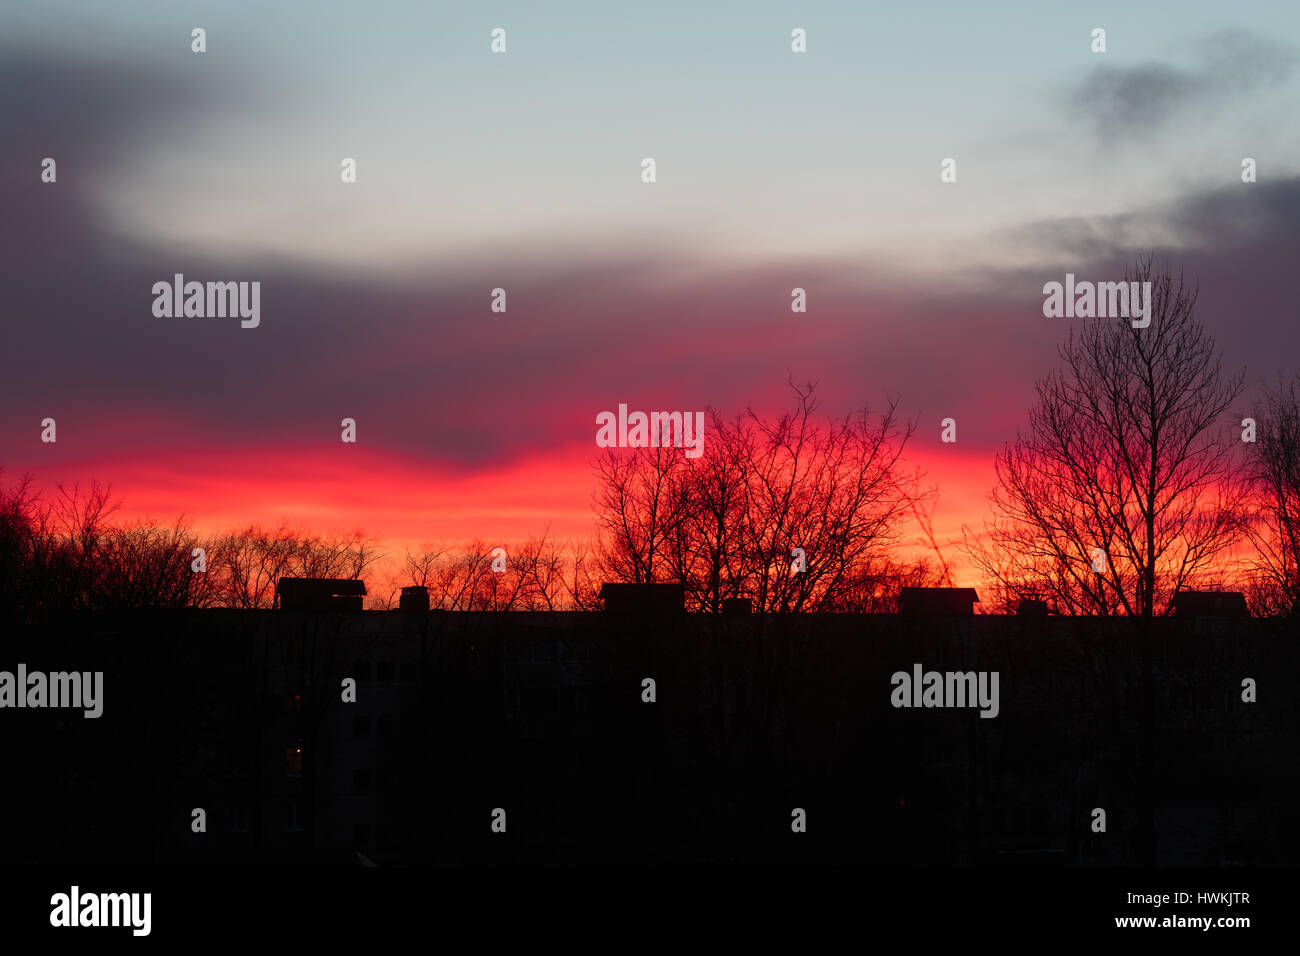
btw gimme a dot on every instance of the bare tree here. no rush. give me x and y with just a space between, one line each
640 500
67 555
833 491
150 565
923 506
541 567
78 520
787 511
537 575
248 563
1274 528
19 544
876 587
1126 487
582 584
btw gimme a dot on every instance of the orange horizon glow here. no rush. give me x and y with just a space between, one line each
409 505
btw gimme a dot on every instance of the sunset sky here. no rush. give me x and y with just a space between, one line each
775 170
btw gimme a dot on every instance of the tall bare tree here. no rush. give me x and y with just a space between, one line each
1275 471
1127 486
641 499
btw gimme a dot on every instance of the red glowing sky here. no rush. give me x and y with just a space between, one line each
409 505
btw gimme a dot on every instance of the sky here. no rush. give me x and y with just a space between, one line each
522 170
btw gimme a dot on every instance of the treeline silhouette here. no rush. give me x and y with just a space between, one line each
1133 481
66 553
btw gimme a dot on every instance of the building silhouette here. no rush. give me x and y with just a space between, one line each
245 715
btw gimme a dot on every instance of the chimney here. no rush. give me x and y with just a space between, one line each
320 594
1210 604
643 598
737 605
943 601
415 600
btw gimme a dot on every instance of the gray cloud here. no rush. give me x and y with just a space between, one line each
1124 101
1238 243
88 115
437 377
1237 61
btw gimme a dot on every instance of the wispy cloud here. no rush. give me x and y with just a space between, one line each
1127 101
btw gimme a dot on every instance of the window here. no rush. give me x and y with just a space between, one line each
360 726
384 670
410 672
384 725
238 820
361 834
292 825
363 671
361 781
293 760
